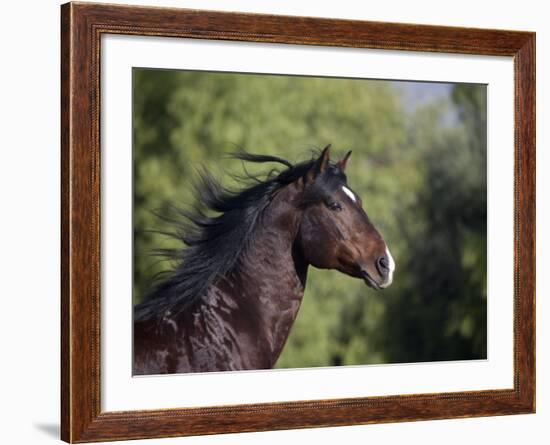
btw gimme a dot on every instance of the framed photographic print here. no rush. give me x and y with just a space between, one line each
275 222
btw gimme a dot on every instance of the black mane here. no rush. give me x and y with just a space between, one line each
214 244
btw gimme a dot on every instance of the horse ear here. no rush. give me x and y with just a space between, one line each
341 164
321 163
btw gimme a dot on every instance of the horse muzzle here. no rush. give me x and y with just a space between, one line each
385 267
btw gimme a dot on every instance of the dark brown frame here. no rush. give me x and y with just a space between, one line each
82 25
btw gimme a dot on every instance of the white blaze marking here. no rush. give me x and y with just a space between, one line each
391 267
390 259
348 192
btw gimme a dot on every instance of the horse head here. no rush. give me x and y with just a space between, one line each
335 231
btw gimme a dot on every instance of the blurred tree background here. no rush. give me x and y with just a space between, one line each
419 164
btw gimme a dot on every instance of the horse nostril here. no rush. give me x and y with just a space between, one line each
383 266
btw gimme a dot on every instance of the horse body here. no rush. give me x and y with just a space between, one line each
242 319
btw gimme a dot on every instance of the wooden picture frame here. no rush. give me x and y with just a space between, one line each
82 25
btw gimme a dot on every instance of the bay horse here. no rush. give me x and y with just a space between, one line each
235 290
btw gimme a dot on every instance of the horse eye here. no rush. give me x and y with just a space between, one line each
334 206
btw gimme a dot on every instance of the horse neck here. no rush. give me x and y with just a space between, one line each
268 282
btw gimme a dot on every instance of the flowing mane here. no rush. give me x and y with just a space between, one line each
214 244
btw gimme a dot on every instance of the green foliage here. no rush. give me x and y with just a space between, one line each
422 181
